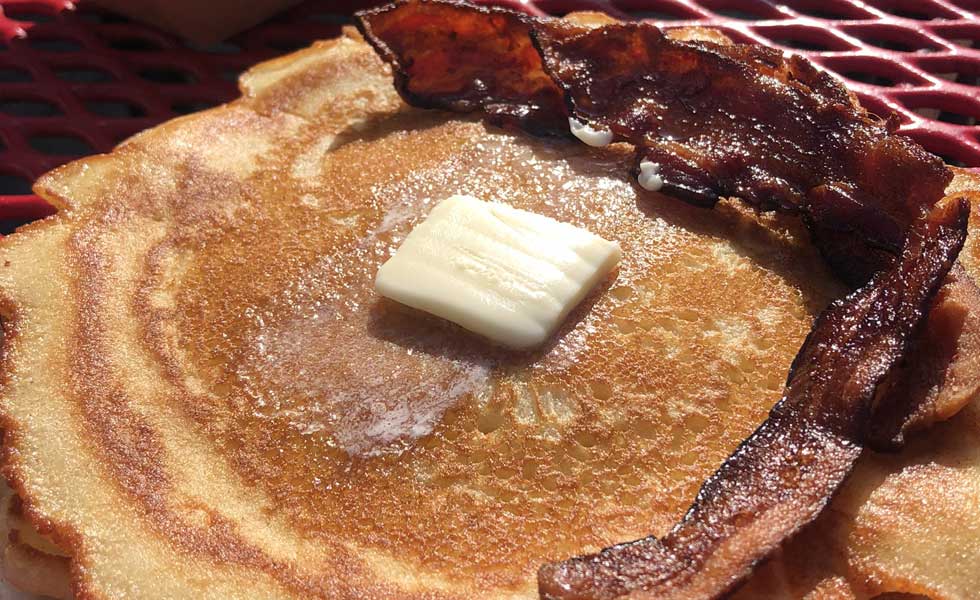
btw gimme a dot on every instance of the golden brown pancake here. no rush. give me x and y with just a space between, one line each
204 397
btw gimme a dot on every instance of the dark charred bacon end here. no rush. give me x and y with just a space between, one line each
742 121
781 477
755 508
464 58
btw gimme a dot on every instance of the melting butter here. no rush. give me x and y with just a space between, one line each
507 274
588 134
649 177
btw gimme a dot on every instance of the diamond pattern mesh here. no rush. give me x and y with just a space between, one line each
76 80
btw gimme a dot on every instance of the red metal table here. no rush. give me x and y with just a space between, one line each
75 79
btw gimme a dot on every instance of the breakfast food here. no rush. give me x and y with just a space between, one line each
783 475
204 395
712 119
508 274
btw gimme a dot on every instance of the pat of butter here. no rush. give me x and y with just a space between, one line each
507 274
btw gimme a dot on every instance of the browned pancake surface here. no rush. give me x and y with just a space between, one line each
646 389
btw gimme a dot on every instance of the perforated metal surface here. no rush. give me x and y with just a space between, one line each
76 80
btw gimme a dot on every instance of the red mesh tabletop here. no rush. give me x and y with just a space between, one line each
75 79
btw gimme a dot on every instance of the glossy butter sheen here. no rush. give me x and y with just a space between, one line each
507 274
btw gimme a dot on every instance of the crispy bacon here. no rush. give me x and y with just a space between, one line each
781 477
463 58
744 121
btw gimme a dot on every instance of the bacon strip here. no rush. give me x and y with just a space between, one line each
782 476
464 58
744 121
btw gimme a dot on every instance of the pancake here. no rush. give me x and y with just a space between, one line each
203 396
29 561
